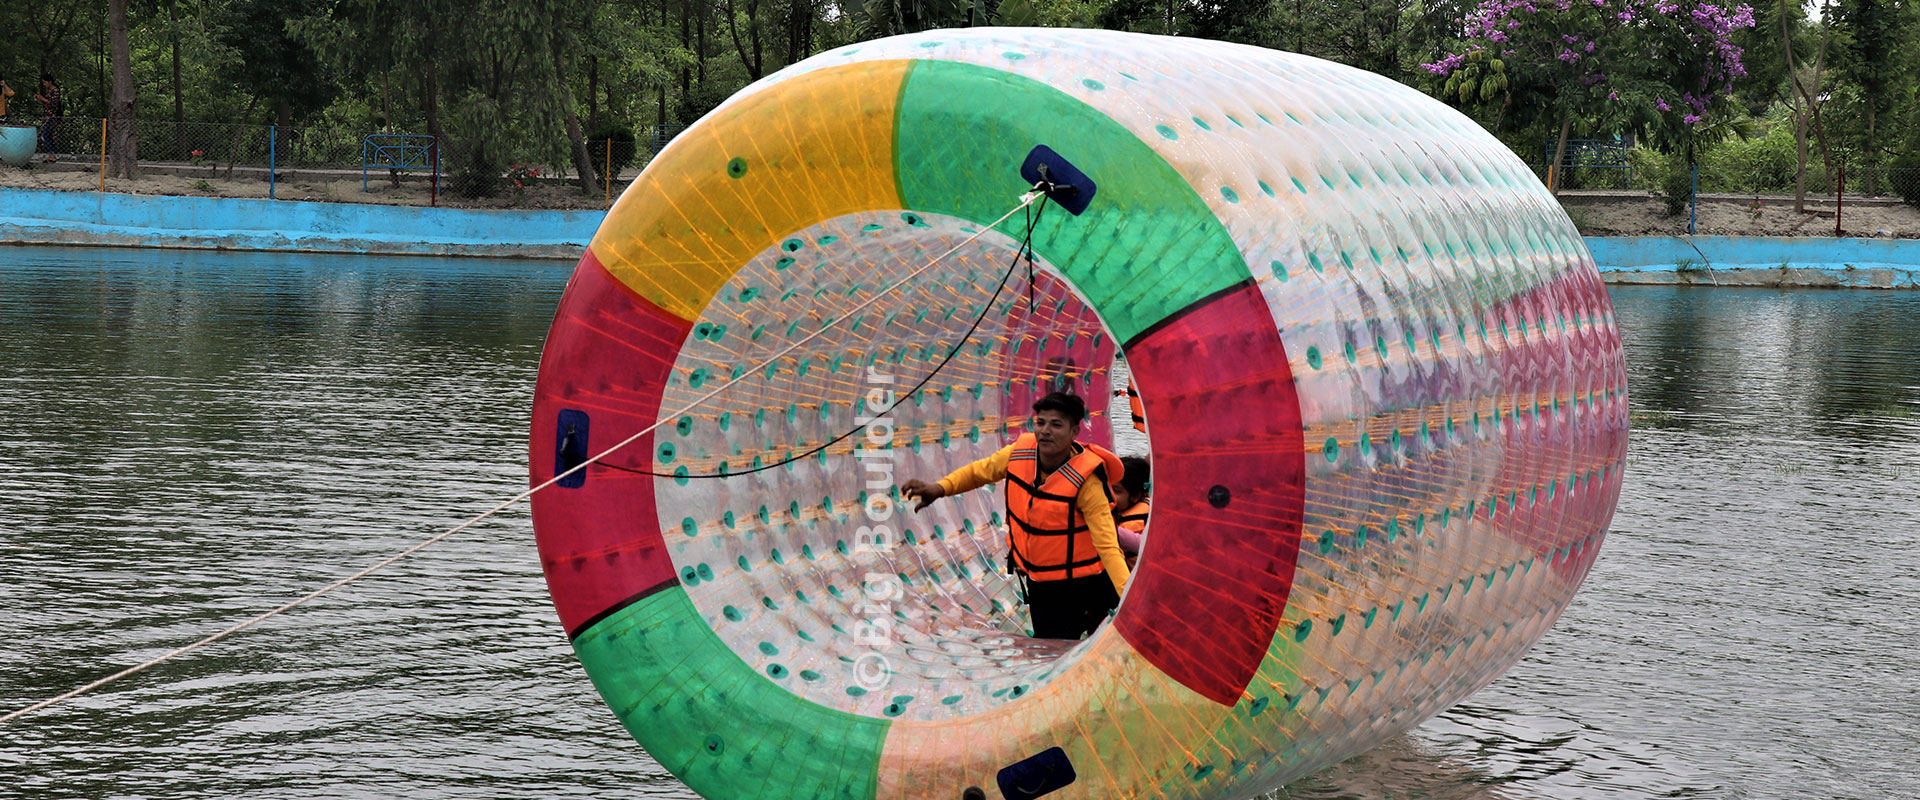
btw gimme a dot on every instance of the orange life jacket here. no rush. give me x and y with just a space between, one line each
1139 415
1133 518
1046 535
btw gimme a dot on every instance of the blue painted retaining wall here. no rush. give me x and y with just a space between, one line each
50 217
37 216
1759 260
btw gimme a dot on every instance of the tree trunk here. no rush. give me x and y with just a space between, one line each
686 43
593 93
239 137
661 118
1559 158
1800 150
430 101
1799 117
753 62
799 30
173 35
1873 151
563 100
123 154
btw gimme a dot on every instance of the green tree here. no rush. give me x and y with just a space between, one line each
1875 52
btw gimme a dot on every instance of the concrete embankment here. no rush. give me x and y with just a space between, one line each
1759 261
47 217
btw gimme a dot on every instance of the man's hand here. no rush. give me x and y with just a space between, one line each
922 491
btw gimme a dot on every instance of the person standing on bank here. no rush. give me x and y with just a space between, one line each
1060 532
52 107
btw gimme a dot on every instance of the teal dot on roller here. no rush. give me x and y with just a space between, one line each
1166 132
1230 195
689 527
732 614
1303 630
1332 449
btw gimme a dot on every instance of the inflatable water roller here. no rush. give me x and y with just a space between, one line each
1384 390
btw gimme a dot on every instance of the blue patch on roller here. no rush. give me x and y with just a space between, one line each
1073 189
570 447
1042 774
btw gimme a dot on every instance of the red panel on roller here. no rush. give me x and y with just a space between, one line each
608 354
1218 562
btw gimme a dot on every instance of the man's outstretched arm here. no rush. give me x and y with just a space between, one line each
989 470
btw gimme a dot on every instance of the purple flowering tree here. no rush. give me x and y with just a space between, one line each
1657 68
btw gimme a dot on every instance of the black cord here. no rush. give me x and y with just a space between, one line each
1016 256
1026 248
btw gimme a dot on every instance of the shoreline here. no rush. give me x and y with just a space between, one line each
52 217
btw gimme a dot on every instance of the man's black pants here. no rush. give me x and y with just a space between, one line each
1071 608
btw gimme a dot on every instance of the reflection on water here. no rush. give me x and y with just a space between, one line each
189 438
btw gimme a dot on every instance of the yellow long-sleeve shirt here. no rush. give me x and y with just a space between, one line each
1091 501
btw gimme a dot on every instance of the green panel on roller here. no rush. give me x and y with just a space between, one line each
1147 247
708 717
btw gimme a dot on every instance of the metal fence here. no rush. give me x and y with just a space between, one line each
277 155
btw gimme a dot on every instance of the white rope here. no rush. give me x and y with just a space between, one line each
1025 200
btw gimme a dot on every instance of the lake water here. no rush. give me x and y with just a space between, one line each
190 438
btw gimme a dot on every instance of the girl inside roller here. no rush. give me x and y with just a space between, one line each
1060 533
1130 506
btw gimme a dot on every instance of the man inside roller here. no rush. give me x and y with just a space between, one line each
1060 530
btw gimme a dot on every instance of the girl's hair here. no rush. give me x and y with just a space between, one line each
1138 477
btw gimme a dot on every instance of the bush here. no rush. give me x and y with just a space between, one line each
1667 177
623 148
1905 177
1761 164
472 169
1676 189
475 158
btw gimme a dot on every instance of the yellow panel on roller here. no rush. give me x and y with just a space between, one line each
757 169
1129 730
